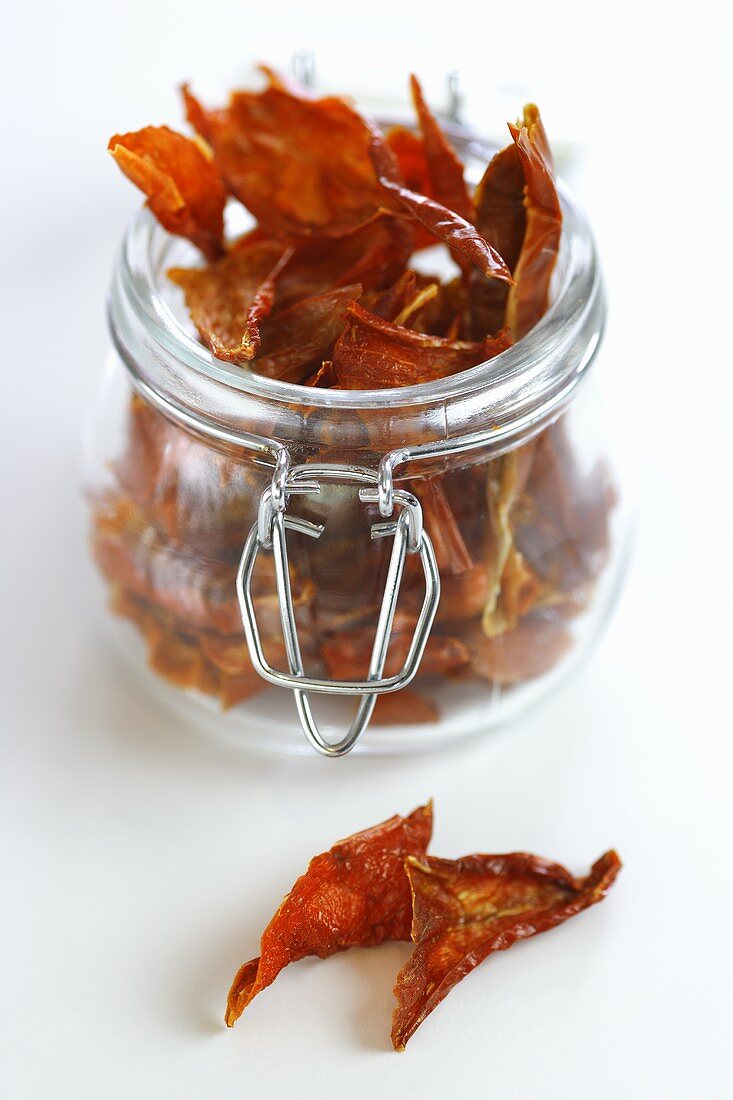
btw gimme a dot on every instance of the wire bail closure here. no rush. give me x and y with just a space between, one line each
269 531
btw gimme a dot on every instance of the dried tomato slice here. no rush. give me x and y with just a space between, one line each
182 184
355 895
446 225
527 299
445 170
372 353
465 909
228 299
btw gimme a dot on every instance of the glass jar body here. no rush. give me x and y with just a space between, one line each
529 543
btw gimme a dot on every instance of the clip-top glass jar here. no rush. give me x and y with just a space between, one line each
397 568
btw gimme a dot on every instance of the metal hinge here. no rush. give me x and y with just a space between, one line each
269 531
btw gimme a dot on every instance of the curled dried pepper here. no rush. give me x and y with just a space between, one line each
466 909
354 895
446 225
229 299
372 353
527 299
183 186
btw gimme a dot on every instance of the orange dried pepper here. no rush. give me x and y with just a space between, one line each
228 299
182 184
465 909
300 164
355 895
372 353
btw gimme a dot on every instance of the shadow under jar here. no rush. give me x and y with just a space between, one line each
508 465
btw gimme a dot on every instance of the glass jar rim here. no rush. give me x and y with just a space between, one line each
527 384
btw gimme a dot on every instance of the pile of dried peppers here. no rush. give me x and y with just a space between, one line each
322 292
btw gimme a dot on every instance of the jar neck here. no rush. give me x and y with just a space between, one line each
486 410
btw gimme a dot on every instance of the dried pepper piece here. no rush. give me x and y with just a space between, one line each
445 170
373 255
446 225
199 593
409 150
355 895
466 909
228 299
372 353
404 708
292 339
451 552
531 649
300 164
564 528
528 298
346 655
505 481
195 493
183 186
500 216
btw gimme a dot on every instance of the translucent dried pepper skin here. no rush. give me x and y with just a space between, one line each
183 186
229 299
299 164
528 298
355 895
445 170
372 353
446 225
466 909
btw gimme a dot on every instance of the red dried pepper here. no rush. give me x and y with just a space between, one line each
182 184
465 909
355 895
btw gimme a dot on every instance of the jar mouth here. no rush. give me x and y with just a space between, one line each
148 253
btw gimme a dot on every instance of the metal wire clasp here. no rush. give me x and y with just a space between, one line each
409 538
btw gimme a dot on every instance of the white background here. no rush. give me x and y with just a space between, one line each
140 860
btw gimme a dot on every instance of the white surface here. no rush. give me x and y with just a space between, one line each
140 860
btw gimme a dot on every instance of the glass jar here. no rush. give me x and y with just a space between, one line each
473 526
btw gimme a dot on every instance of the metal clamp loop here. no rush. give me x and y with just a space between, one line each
270 530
